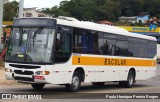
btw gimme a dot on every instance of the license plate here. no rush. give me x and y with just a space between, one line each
39 77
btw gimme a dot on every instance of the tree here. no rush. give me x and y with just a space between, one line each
95 10
10 10
56 11
110 10
80 9
131 7
152 6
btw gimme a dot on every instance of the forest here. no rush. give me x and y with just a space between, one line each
93 10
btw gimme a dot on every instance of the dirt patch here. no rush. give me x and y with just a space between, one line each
3 80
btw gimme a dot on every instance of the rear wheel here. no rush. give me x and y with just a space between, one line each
37 86
98 83
75 84
130 80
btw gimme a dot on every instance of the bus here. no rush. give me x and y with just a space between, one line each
65 51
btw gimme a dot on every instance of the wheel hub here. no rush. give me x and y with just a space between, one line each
75 81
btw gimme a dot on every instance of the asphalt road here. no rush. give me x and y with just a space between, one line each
87 91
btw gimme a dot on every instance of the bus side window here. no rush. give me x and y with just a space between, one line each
80 44
158 40
152 49
143 48
122 46
105 48
58 44
101 43
95 44
63 45
133 47
107 44
77 43
85 41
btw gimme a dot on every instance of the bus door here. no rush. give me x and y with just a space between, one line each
63 44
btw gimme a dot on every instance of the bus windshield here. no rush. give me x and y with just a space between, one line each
30 45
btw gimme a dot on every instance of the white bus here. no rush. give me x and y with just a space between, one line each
67 52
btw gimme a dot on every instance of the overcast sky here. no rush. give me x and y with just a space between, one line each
40 3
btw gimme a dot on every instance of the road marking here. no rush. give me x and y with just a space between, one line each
122 90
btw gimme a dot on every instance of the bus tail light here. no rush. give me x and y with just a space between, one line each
42 73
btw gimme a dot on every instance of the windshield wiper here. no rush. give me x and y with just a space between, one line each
36 32
21 31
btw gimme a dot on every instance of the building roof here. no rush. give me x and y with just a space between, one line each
143 14
126 18
34 8
5 1
105 22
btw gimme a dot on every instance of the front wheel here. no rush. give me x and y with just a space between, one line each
75 84
130 80
37 86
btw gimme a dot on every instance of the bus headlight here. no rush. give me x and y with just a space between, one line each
42 73
8 70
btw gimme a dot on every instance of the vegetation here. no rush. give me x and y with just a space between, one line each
93 10
96 10
10 10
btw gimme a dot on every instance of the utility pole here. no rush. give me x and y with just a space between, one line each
21 5
1 18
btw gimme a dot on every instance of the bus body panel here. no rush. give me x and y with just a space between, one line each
62 73
102 73
158 53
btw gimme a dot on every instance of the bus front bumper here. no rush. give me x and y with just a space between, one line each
26 78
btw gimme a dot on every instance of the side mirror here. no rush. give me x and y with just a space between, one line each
158 40
7 31
60 30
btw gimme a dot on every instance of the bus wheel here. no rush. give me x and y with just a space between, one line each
130 80
75 84
98 83
37 86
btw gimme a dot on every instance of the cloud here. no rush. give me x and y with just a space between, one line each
40 3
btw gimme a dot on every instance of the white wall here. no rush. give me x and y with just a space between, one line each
34 13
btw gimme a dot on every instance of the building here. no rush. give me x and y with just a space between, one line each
105 22
4 1
143 17
128 19
32 12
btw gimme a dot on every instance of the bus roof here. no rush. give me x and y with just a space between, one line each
97 27
102 28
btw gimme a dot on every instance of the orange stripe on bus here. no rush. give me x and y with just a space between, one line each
99 61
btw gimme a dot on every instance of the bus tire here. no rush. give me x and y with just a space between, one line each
98 83
75 84
37 86
130 80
